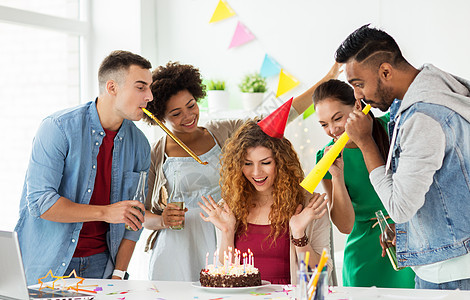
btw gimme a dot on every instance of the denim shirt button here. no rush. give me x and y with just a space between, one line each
63 264
94 167
73 240
89 190
101 133
97 143
93 131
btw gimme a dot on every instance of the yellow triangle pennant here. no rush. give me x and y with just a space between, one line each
286 83
222 11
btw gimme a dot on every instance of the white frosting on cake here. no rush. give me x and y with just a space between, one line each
237 270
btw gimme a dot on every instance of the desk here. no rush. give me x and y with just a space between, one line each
173 290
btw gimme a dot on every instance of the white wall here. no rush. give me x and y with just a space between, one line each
120 25
302 36
115 25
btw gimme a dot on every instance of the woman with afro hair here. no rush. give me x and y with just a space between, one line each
179 255
264 208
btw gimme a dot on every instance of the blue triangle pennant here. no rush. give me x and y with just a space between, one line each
270 67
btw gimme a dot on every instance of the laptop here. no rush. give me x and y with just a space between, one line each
13 280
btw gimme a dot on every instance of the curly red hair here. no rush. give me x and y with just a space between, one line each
238 192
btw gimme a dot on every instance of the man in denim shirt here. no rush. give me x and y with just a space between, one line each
84 168
425 184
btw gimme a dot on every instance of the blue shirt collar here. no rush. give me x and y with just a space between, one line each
96 123
394 109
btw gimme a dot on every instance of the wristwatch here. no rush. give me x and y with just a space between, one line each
119 273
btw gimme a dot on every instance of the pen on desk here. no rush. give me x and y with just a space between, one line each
321 264
307 268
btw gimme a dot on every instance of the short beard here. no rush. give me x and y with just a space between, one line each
384 96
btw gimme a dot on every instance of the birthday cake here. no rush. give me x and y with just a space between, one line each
235 275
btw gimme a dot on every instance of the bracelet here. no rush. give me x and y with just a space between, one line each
301 242
119 273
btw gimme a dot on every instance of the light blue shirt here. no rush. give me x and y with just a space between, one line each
63 163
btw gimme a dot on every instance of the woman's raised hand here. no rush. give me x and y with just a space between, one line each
221 216
334 72
315 209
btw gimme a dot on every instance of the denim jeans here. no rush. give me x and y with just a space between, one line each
463 284
90 266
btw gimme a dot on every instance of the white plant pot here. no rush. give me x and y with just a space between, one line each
218 100
251 100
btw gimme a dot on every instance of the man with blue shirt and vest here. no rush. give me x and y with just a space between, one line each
424 183
84 168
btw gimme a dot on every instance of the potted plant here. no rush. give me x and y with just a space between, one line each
217 97
252 86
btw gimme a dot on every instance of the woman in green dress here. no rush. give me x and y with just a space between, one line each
353 201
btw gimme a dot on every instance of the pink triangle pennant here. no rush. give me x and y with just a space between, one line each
241 36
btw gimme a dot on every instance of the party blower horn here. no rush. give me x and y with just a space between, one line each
174 137
318 172
275 124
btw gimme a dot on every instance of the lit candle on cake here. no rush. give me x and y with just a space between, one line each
249 256
216 254
225 262
229 256
244 262
207 259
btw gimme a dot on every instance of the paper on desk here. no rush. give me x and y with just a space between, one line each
373 293
408 297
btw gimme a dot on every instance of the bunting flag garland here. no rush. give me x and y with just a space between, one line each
241 36
270 67
308 112
222 12
286 83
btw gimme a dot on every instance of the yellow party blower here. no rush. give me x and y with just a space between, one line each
318 172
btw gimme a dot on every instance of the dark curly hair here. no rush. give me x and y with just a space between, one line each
344 93
371 44
238 192
167 81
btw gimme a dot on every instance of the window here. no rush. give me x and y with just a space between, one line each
40 74
59 8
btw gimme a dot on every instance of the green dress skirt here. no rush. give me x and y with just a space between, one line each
363 265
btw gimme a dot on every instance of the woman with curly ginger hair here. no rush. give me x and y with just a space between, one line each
264 207
177 88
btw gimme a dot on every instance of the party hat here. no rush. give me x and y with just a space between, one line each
275 124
